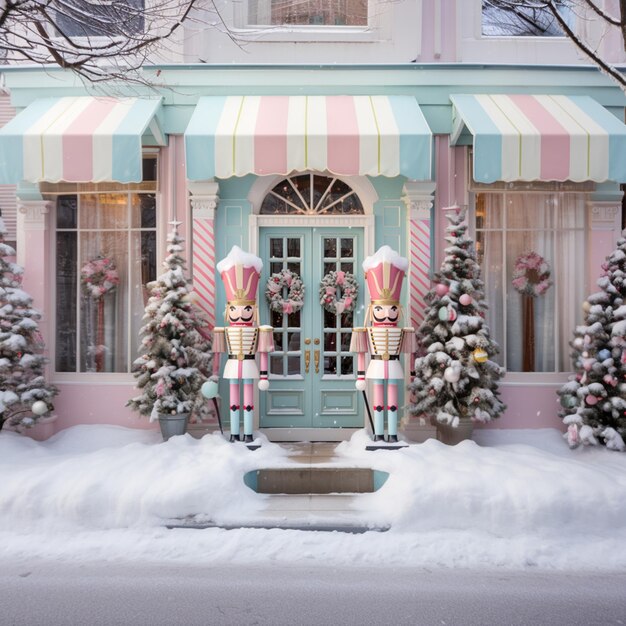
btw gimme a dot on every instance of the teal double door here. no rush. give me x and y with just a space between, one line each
311 370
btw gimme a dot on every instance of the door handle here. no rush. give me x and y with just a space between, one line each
307 361
316 356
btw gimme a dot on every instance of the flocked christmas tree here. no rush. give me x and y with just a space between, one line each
25 395
176 358
455 377
594 400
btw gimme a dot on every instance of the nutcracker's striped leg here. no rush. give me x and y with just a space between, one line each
379 410
234 411
392 411
248 409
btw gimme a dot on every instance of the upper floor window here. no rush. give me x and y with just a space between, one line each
100 18
307 12
511 18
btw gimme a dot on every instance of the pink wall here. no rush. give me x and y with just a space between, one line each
438 31
529 406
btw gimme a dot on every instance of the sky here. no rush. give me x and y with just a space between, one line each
510 499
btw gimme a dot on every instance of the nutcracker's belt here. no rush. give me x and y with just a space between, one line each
245 357
391 357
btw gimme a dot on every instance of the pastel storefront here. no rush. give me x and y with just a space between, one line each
312 168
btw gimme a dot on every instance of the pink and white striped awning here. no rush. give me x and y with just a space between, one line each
541 137
345 135
79 139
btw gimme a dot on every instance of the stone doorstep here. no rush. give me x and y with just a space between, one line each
314 480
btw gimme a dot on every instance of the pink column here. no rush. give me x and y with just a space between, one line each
204 201
34 254
418 198
605 224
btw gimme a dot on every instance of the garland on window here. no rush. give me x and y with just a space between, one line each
99 276
274 292
339 292
531 275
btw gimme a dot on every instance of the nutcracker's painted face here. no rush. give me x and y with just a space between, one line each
239 315
385 314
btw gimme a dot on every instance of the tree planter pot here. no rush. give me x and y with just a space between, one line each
450 435
172 425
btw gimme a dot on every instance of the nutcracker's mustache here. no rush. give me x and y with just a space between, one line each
385 319
242 318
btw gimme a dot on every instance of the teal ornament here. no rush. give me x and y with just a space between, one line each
568 402
604 354
443 313
209 389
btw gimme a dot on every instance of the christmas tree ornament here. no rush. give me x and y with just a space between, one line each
452 374
479 355
591 400
39 407
443 314
465 299
441 289
586 306
578 342
604 354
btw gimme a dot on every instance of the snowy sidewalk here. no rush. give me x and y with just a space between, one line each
513 499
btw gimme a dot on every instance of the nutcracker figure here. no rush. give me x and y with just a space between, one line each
381 337
242 339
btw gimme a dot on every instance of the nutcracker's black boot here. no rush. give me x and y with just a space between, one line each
234 438
379 438
392 438
248 438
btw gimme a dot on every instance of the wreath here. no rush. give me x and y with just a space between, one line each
274 292
531 275
339 292
99 277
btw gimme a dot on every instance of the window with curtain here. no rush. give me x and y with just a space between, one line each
307 12
105 256
531 247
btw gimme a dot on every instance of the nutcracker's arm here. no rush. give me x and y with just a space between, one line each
265 346
359 345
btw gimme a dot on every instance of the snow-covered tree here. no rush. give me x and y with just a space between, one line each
594 400
24 393
455 377
176 358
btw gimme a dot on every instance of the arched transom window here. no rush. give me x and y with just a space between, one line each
312 194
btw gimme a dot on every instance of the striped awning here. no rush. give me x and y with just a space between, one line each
345 135
79 139
541 138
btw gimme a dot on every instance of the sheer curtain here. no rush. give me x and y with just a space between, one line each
553 226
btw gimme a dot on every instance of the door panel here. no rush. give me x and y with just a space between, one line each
311 371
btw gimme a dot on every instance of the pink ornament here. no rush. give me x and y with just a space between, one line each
465 299
441 289
451 314
591 400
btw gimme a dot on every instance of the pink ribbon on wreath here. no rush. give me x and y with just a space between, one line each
330 291
287 307
340 277
347 302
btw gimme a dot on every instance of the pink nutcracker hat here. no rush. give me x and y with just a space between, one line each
384 272
240 272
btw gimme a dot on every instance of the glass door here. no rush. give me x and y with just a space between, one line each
311 371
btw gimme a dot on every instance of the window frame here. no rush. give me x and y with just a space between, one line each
541 378
378 27
50 192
